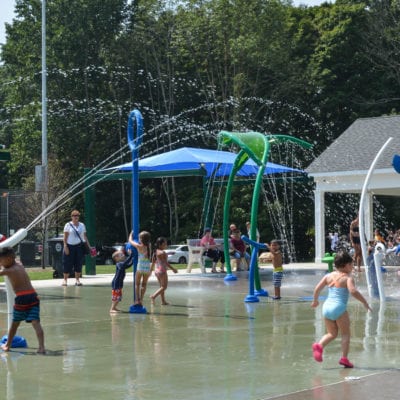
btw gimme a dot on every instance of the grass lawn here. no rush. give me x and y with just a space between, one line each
37 273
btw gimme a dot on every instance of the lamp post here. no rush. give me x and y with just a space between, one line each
44 91
44 167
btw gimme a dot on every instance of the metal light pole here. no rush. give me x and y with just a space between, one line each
45 181
44 88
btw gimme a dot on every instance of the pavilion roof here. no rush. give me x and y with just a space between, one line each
357 146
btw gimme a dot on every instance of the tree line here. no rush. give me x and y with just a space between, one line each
193 68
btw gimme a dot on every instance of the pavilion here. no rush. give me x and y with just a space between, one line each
344 165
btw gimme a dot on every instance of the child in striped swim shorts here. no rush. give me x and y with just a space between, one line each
27 304
277 274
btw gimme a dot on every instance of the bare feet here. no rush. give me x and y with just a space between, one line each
5 347
153 300
165 303
41 351
114 310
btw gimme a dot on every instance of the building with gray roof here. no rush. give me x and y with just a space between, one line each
347 163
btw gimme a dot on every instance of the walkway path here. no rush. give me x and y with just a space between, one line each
101 279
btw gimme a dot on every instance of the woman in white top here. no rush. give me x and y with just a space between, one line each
248 226
74 239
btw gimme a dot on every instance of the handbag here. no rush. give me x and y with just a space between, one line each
84 245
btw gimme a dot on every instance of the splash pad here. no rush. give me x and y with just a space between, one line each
208 342
137 347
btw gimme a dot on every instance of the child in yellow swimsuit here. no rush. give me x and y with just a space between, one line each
143 270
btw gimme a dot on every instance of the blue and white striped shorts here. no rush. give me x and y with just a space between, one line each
277 278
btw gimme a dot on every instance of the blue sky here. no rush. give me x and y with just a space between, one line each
7 12
6 15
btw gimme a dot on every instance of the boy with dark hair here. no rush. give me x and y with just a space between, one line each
27 304
277 263
123 261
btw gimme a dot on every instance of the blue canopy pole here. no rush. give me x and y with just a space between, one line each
135 133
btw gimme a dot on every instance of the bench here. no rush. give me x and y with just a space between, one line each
196 254
239 263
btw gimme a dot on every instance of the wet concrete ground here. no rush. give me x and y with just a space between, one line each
208 343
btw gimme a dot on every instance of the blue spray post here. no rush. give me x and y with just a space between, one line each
252 297
396 163
135 133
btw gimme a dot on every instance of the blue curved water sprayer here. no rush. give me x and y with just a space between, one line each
252 296
135 136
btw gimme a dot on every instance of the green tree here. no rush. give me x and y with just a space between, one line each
344 76
80 114
382 48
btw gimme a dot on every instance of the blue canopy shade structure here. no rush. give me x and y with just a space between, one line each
183 162
214 162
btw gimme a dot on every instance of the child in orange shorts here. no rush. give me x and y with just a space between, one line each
124 260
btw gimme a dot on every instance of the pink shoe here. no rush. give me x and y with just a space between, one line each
317 352
345 362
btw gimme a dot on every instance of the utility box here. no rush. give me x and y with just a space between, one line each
27 253
56 246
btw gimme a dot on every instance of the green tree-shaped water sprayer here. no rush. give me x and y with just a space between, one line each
256 146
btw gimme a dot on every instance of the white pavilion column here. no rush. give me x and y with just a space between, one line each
319 209
369 216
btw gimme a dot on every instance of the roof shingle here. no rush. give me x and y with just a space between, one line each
357 146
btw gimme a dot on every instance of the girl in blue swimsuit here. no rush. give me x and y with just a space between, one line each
340 283
143 270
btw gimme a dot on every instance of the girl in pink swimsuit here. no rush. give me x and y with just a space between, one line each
160 259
